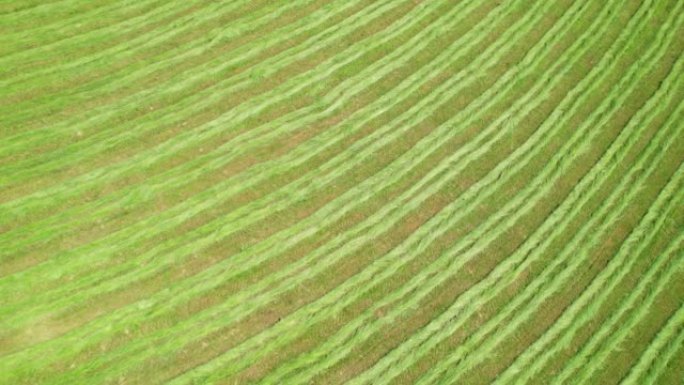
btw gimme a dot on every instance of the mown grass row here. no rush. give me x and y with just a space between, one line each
308 271
672 268
121 82
72 213
72 126
195 165
102 38
57 17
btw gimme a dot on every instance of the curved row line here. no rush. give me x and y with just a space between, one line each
669 275
105 79
176 143
92 205
76 43
597 347
53 24
223 317
339 149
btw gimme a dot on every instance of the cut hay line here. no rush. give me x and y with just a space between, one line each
229 120
476 343
124 79
608 332
105 83
31 78
464 201
595 351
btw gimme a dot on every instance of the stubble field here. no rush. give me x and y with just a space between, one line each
342 191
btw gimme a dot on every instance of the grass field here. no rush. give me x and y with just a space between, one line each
342 191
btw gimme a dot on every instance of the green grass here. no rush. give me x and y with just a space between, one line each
331 192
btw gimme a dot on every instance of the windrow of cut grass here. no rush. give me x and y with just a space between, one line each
210 67
23 34
533 304
665 268
160 18
78 123
98 47
665 275
72 212
124 79
75 20
114 83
